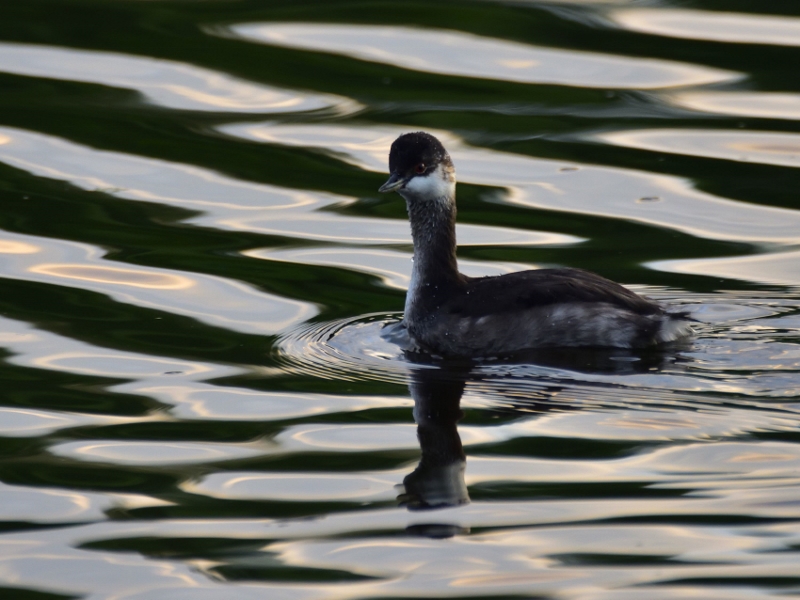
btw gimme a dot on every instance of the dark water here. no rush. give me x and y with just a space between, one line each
197 268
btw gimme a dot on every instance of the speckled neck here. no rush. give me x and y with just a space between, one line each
433 229
435 272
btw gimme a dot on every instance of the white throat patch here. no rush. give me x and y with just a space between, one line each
438 184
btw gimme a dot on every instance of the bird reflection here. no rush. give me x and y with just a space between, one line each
438 480
437 388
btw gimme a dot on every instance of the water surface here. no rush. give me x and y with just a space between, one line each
201 398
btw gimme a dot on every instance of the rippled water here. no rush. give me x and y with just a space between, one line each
205 392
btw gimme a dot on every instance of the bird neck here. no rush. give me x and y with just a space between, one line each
433 230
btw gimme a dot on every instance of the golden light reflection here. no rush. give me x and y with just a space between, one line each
81 502
759 457
508 579
518 64
116 276
351 438
352 145
35 416
10 337
471 436
294 486
443 51
769 105
4 139
765 147
265 100
664 423
393 268
144 453
134 501
782 268
163 82
9 247
141 178
408 555
201 401
736 28
116 365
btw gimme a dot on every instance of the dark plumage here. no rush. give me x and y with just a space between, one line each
451 314
528 289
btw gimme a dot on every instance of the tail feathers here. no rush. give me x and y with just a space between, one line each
674 327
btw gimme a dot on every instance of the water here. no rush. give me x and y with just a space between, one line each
201 400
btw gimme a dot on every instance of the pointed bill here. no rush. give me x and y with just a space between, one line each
394 183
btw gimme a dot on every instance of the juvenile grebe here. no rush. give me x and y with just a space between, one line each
450 314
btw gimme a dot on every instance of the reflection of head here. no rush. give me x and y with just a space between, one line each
438 480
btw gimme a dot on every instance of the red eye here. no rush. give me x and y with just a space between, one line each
420 168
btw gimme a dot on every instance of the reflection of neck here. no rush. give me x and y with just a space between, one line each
438 480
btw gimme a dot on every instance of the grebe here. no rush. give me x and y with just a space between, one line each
453 315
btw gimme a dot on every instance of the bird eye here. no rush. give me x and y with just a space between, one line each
420 168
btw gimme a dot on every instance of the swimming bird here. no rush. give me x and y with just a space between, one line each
450 314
